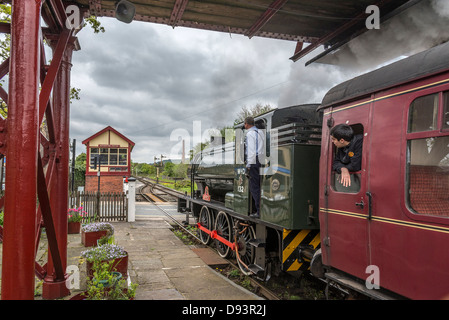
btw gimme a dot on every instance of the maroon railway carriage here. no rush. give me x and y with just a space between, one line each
393 223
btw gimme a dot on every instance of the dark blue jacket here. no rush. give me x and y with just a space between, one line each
349 157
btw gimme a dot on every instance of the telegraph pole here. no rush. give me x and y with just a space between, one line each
158 166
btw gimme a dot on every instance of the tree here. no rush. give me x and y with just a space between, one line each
5 44
258 109
5 47
80 170
94 24
180 170
198 148
169 169
146 169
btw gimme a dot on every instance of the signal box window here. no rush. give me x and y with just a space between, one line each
109 156
428 157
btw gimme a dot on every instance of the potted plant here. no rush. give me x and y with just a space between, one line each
91 232
105 240
106 285
74 218
103 276
109 253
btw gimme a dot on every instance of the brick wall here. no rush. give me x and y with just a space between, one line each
107 183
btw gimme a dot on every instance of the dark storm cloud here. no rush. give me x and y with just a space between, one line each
148 80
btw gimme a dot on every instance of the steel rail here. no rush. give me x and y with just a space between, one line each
167 190
168 214
259 288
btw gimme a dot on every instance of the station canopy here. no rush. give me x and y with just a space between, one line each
330 23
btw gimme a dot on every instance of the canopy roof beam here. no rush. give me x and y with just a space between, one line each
265 17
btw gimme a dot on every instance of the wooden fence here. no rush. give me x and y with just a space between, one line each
108 206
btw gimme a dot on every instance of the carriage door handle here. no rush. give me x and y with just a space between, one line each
360 204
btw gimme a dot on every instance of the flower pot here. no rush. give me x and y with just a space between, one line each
79 296
73 227
118 265
89 239
116 277
107 240
83 295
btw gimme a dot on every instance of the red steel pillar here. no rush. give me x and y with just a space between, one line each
22 147
53 288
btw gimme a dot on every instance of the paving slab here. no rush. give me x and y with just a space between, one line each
163 266
211 258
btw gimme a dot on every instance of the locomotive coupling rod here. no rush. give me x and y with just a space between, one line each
214 235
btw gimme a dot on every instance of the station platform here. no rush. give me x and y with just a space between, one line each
160 263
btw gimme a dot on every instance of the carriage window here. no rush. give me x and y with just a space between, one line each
423 114
429 176
446 110
355 176
428 159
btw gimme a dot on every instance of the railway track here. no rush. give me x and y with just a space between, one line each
315 288
152 193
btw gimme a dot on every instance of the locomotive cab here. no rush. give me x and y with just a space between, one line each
289 169
240 198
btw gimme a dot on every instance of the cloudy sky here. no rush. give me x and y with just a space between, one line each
154 83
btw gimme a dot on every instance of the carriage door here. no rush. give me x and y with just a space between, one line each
345 210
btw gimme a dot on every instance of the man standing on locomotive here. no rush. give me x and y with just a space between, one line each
349 153
253 150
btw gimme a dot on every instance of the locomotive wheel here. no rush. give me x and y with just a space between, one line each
246 252
205 218
224 229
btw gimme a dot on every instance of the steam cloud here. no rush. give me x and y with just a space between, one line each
418 28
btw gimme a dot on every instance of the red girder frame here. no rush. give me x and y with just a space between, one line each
37 166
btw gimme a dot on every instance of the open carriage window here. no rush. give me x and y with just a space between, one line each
428 157
347 155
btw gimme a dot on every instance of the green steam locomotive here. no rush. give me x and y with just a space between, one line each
286 236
